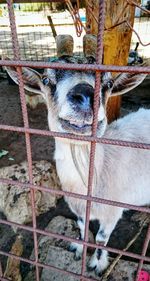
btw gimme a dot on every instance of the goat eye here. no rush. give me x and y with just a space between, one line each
45 81
110 84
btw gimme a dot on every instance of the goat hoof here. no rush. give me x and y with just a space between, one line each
77 257
77 249
98 273
99 262
91 268
71 248
95 269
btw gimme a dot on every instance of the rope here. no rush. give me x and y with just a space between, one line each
74 11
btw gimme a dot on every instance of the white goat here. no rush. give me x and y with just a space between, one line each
121 174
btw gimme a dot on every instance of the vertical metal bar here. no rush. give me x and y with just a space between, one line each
41 46
13 30
29 44
26 124
1 272
29 158
94 126
145 246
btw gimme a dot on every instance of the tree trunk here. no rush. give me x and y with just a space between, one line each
116 40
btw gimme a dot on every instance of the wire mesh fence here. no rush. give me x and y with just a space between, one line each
17 46
35 34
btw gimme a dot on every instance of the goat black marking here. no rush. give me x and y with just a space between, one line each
99 253
102 233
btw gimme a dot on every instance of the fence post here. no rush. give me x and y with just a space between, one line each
116 40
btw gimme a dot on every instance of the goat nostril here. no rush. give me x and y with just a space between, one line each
79 98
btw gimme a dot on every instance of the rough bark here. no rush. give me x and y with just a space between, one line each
116 40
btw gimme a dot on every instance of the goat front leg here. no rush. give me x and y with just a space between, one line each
99 261
75 247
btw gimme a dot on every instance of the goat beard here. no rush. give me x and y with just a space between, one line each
82 165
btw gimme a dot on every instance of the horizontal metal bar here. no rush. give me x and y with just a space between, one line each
78 67
32 262
76 137
32 1
75 195
45 266
81 242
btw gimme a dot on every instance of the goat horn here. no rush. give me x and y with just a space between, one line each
89 45
64 44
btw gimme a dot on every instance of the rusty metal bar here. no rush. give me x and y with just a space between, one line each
32 1
99 56
47 267
26 123
68 239
15 42
39 264
95 246
145 246
70 136
1 272
29 158
79 196
74 66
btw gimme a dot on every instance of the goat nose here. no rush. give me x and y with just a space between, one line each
82 100
82 96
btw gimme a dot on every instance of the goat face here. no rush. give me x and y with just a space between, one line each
69 95
72 97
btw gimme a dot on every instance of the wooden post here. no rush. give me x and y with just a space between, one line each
52 26
116 40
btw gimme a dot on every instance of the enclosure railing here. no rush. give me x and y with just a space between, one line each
27 131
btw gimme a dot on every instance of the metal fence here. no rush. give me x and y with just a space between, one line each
36 39
28 132
36 35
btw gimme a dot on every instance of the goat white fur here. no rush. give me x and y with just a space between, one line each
121 174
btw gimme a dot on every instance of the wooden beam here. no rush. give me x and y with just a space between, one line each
52 26
116 40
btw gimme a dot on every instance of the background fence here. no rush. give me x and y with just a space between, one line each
35 36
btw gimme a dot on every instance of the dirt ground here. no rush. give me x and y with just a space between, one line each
43 148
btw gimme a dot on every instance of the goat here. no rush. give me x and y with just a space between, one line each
121 174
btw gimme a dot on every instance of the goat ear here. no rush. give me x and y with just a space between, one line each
125 82
31 78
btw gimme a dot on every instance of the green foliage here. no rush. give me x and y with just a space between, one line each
34 7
